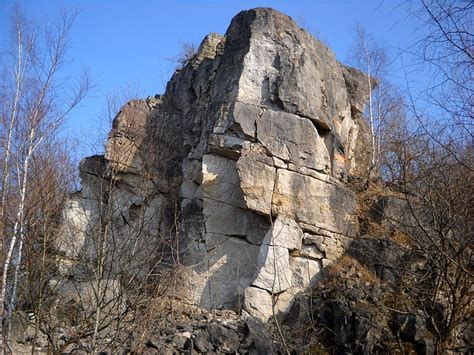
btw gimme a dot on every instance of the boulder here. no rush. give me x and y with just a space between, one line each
224 339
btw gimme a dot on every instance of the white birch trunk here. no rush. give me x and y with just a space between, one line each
19 75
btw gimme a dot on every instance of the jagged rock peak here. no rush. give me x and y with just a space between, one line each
250 146
211 46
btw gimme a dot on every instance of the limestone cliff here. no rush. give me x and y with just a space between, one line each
242 164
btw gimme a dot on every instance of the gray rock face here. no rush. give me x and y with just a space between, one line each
241 164
293 138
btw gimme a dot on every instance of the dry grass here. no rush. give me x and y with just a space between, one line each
347 264
401 239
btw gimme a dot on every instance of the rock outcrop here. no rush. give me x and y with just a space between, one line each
239 169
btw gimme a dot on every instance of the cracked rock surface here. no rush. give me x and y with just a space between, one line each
250 146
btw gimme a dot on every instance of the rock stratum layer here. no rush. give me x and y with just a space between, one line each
242 163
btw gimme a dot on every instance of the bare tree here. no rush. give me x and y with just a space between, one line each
51 183
426 149
386 105
37 98
445 55
440 197
432 158
187 53
434 215
108 257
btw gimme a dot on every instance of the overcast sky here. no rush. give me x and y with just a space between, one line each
130 43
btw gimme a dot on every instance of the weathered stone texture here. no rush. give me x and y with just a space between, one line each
245 158
315 202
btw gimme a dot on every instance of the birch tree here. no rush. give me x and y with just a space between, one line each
385 103
371 59
38 96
